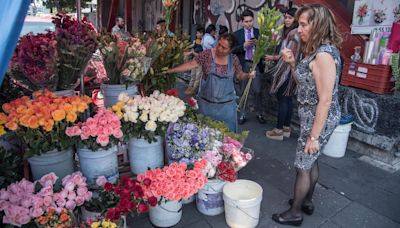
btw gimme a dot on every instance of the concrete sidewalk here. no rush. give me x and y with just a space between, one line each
350 192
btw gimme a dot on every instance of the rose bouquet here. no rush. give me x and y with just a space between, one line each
103 130
124 61
169 7
41 122
173 182
268 20
148 117
76 42
361 13
33 65
123 198
24 201
100 223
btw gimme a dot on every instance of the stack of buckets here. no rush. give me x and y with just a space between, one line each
337 144
242 200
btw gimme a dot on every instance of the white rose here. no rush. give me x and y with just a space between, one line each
151 126
124 97
133 117
153 116
144 117
156 93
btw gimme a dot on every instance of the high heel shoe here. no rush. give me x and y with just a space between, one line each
308 209
297 221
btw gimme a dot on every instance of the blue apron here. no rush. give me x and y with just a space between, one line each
217 97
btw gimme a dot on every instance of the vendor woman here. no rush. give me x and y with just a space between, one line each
216 95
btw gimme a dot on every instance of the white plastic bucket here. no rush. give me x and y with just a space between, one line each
189 200
59 162
99 163
209 199
86 215
242 203
337 143
111 93
166 214
143 155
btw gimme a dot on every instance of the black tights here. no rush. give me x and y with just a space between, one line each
303 190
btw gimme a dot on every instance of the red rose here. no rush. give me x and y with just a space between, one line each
143 208
152 201
172 92
132 206
108 187
147 182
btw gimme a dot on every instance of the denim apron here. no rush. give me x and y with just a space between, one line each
216 96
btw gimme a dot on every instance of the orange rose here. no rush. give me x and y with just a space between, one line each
58 114
24 120
67 107
3 118
21 109
12 126
71 117
7 107
167 3
64 217
82 107
33 122
48 125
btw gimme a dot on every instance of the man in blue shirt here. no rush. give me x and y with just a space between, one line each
208 40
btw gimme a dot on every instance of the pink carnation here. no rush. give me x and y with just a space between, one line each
101 180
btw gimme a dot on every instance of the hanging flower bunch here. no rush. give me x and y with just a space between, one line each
174 182
76 42
148 117
25 201
41 122
268 39
103 130
33 64
379 16
169 7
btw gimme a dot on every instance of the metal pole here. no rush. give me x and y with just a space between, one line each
78 17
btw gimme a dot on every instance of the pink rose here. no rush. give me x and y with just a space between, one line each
108 130
37 201
103 140
64 193
79 200
61 202
88 195
85 131
4 194
81 191
103 122
66 179
117 133
24 218
26 186
26 202
14 188
47 200
58 209
91 123
73 131
14 199
36 212
94 132
69 186
71 196
77 178
101 180
46 191
70 204
248 156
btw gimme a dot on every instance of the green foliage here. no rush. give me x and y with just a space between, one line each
138 130
169 52
11 166
101 201
65 5
10 91
395 62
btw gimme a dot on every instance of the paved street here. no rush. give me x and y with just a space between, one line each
350 193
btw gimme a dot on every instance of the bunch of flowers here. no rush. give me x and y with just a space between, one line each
124 61
148 117
51 219
169 7
76 42
100 223
362 12
33 64
174 182
186 142
23 201
115 200
41 122
268 21
234 151
379 16
103 130
3 120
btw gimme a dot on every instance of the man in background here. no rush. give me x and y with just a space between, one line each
119 29
161 29
246 38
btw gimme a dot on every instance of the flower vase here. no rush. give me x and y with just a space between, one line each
144 155
111 92
360 20
99 163
209 199
166 214
87 215
189 200
59 162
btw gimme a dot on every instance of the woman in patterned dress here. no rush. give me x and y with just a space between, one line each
317 75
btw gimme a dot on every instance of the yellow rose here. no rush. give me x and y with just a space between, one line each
67 107
82 107
3 118
2 131
71 117
95 225
58 114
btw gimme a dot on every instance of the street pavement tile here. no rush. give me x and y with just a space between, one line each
327 202
329 224
190 215
217 221
356 215
199 224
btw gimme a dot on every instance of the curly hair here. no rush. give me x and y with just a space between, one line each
323 27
